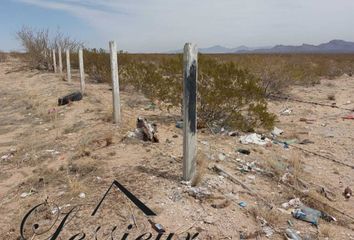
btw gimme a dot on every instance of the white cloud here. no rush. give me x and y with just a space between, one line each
166 24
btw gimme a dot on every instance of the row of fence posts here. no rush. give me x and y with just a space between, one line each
190 75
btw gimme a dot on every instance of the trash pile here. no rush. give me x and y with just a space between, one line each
302 212
255 138
144 131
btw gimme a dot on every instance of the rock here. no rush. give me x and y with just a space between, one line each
82 195
221 156
347 193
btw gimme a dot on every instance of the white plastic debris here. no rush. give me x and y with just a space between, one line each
293 203
82 195
277 131
286 111
254 138
7 156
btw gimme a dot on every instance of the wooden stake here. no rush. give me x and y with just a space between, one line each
190 75
68 67
82 71
115 82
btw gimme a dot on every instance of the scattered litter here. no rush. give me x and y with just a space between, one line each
233 134
286 111
82 195
347 193
179 124
277 131
56 209
291 234
76 96
293 203
242 204
157 227
26 194
267 230
204 142
311 215
243 151
7 156
307 214
350 116
255 139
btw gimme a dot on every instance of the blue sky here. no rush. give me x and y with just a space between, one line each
162 25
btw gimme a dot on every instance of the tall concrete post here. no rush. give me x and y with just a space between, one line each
190 75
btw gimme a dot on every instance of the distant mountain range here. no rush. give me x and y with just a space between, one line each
334 46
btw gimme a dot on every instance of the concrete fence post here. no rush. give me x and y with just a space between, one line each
68 67
60 61
54 61
190 75
115 82
82 71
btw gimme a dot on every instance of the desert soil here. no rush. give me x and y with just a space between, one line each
70 155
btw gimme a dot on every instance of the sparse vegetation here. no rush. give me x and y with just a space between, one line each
38 45
2 56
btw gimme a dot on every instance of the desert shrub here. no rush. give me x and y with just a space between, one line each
228 95
231 96
38 45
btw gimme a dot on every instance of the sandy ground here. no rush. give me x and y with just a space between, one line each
70 155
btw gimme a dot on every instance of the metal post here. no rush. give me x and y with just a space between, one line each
190 75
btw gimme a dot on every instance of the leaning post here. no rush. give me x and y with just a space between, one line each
60 61
82 71
68 67
190 75
115 82
54 61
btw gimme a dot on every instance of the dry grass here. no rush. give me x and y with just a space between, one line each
272 216
3 56
326 231
202 164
